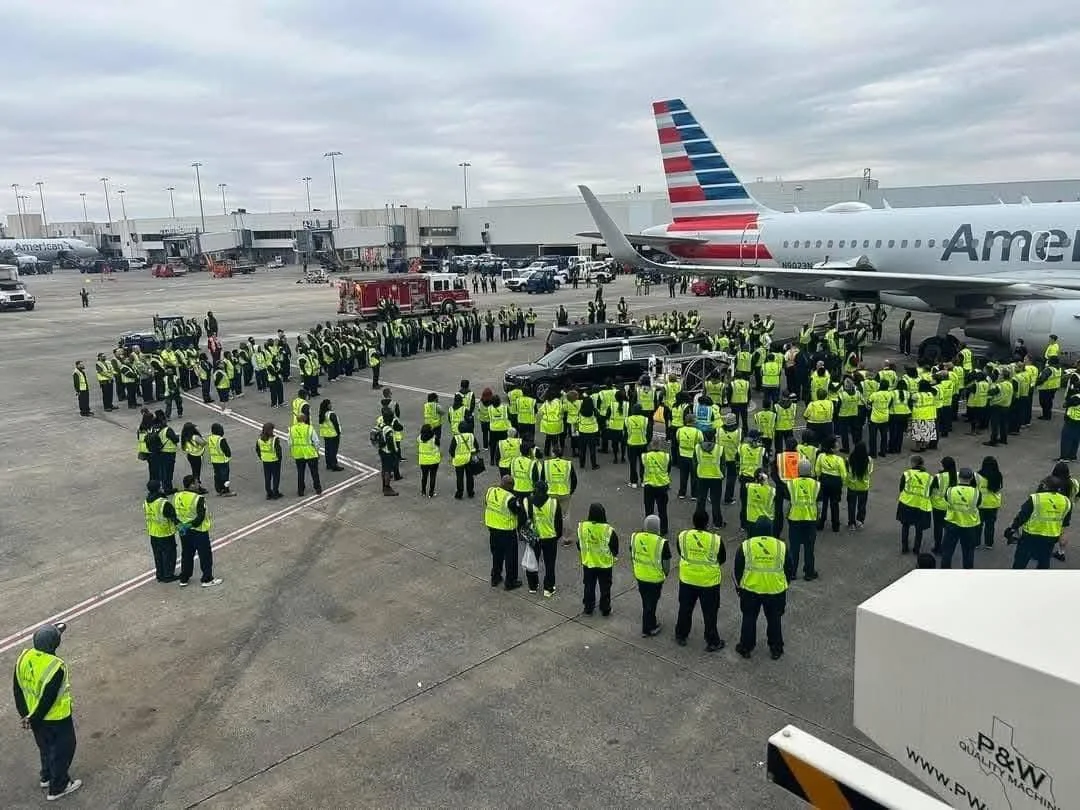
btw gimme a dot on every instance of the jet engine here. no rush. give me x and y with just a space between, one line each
1030 321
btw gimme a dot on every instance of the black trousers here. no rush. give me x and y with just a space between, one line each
195 462
656 500
166 464
856 506
999 424
272 476
494 437
428 474
56 743
989 524
1046 403
650 597
171 400
590 579
549 551
277 393
803 535
221 478
503 544
107 395
879 439
191 544
689 596
330 446
711 489
464 480
304 465
84 402
966 537
751 604
829 502
164 551
1033 547
633 457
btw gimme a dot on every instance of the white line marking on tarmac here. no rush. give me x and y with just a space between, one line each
384 384
115 592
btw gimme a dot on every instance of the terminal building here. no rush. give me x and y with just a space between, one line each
512 228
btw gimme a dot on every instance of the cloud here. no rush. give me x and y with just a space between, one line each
536 96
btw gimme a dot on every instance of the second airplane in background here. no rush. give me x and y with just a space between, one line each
998 272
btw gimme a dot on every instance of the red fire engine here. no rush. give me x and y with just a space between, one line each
414 293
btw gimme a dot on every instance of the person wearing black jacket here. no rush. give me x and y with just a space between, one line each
49 714
549 528
161 526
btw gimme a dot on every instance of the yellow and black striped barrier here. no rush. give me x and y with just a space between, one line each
828 779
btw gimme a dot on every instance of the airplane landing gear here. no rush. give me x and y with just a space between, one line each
938 349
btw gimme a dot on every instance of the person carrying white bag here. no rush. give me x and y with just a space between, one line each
544 528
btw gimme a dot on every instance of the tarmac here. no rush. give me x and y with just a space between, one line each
356 655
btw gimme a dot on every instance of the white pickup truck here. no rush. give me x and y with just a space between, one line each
13 293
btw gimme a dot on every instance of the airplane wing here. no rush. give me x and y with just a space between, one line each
839 276
650 241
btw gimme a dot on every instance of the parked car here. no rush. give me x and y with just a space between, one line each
517 283
136 263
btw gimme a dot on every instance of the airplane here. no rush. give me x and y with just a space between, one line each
30 251
998 272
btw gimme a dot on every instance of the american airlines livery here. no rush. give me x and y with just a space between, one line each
999 272
48 250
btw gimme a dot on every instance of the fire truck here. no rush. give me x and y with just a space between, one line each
415 294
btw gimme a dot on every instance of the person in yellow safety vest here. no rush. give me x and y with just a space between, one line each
304 448
639 434
1040 524
508 449
943 479
962 520
751 456
588 427
82 388
525 470
1002 393
657 481
615 427
991 484
701 555
433 418
914 507
429 456
770 381
456 414
499 424
1048 382
651 557
161 527
561 479
166 442
268 451
502 511
849 415
709 473
830 469
299 404
761 571
860 469
462 449
598 545
1053 348
787 412
217 448
552 425
195 522
687 439
729 438
105 378
330 433
819 414
739 397
802 497
544 515
43 701
760 500
526 417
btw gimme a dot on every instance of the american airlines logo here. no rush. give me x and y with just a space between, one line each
41 247
1026 246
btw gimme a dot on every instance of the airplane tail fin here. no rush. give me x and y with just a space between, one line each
701 185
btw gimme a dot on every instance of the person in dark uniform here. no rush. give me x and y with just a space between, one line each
761 573
43 701
161 527
82 388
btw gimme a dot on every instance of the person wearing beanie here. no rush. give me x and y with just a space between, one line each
963 523
762 570
651 557
802 498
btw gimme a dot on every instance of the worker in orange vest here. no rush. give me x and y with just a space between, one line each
787 468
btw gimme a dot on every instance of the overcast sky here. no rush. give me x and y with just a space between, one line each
537 96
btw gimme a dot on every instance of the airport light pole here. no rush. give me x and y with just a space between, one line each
224 206
172 202
333 172
465 180
26 211
41 196
18 209
85 216
123 212
108 206
307 188
198 185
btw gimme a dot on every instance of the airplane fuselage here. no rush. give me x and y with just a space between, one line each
48 250
1039 239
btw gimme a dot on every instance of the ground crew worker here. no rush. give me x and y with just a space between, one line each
962 522
43 700
304 448
222 383
299 403
455 414
729 439
165 441
639 430
330 433
819 414
220 453
588 428
1039 524
831 472
913 507
701 554
687 439
501 511
429 456
161 527
802 495
599 547
709 472
561 479
546 518
82 388
760 501
524 471
195 522
552 425
526 416
651 556
762 571
860 469
499 424
738 391
657 481
268 450
1048 382
105 377
991 485
462 448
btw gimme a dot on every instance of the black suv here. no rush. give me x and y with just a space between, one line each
592 362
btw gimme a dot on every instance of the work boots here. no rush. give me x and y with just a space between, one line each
386 488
